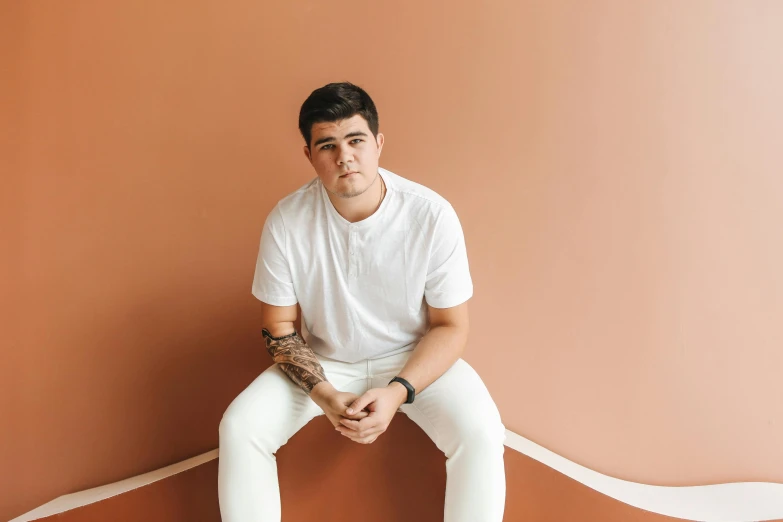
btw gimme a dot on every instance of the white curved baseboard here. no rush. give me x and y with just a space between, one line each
91 496
733 502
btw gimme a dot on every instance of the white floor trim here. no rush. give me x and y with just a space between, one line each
91 496
733 502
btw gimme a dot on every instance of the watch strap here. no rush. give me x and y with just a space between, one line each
411 390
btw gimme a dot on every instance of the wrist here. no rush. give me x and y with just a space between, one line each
401 392
322 391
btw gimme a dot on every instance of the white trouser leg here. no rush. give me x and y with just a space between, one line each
459 415
456 412
256 424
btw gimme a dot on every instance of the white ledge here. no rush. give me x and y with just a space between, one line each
91 496
733 502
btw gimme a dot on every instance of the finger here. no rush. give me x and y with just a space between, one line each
357 416
360 425
369 422
359 435
352 433
362 440
367 440
360 403
346 432
350 424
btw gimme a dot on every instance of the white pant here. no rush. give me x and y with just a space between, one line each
456 412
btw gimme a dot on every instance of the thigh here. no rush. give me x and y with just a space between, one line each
457 407
269 411
273 408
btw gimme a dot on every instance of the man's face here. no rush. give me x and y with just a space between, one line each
341 147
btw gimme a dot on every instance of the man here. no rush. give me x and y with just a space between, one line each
378 266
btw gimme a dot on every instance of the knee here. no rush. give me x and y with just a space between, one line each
245 427
232 426
487 435
237 427
482 437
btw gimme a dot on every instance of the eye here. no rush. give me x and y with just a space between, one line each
327 147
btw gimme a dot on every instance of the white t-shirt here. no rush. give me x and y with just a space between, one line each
362 286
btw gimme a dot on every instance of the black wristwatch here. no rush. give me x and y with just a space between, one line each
411 391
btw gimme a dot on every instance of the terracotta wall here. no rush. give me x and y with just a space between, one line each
615 165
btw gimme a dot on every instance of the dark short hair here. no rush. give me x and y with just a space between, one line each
334 102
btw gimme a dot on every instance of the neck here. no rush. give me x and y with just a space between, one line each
362 206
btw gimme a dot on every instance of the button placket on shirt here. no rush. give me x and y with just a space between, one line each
351 252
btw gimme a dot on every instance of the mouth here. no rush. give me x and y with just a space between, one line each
348 174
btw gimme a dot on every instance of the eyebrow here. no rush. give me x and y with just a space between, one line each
331 138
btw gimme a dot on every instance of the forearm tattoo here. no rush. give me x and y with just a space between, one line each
296 359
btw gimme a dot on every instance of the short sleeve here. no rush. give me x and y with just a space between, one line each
272 282
448 274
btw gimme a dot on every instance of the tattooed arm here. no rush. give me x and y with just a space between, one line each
296 359
289 349
300 364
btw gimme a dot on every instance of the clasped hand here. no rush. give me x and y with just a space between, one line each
363 419
382 404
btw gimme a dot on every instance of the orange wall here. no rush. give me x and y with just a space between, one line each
614 165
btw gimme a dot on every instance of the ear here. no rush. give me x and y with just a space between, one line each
379 140
306 151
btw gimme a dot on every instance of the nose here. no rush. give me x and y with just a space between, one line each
344 156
